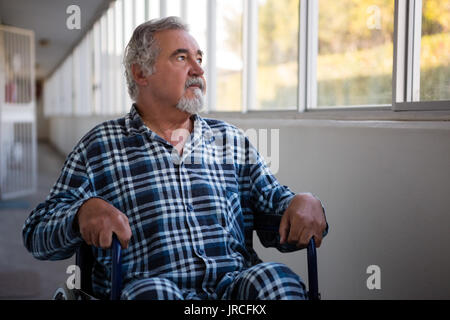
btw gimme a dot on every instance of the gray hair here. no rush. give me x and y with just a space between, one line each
142 49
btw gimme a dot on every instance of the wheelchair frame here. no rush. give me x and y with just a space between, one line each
85 260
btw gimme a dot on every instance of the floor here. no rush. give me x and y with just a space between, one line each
21 275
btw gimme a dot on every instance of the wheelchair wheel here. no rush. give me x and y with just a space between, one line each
64 293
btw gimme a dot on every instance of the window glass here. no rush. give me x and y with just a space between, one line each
277 80
229 59
112 106
196 19
96 69
173 8
153 9
435 51
354 63
128 26
139 9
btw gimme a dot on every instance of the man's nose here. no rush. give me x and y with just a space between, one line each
196 69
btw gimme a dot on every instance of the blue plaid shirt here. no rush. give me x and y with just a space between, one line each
191 215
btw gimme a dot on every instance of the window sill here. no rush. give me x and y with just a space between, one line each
350 114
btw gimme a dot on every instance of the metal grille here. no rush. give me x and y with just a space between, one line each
17 113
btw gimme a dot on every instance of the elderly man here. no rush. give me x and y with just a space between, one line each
177 200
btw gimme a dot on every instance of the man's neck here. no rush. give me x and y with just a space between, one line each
169 123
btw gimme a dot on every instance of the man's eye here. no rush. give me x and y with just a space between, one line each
181 58
199 60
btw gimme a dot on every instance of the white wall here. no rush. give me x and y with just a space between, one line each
386 189
65 132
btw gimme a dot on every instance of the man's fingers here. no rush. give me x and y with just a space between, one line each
123 239
89 237
93 239
123 230
124 244
105 239
98 219
304 238
295 235
317 240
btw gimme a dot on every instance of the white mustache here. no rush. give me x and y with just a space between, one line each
194 81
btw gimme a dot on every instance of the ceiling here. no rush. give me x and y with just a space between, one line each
47 18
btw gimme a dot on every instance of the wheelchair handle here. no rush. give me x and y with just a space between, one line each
116 273
271 223
312 271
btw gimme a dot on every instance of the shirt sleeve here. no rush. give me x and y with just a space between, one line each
268 196
49 232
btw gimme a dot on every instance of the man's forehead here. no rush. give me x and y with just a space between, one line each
171 40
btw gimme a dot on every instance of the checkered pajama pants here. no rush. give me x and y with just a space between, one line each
264 281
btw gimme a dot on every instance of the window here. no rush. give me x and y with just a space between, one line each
229 59
152 9
173 8
435 51
66 87
112 106
421 56
119 41
195 17
298 55
76 81
128 22
277 80
104 83
354 63
139 12
96 82
82 78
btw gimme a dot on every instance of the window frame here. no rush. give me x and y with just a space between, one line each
406 66
406 62
405 73
308 33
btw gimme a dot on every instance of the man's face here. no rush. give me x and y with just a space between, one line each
178 78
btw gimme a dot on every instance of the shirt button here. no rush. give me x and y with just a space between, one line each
200 252
189 207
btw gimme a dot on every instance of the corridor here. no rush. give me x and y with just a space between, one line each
21 275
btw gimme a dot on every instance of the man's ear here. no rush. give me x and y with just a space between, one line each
138 75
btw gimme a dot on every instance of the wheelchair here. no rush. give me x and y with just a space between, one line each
265 224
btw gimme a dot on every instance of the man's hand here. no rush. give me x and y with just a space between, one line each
302 219
97 220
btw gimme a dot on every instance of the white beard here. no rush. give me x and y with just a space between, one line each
192 105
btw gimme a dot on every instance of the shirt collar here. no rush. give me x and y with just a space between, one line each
133 121
201 131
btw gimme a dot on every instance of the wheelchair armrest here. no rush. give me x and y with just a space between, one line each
271 223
